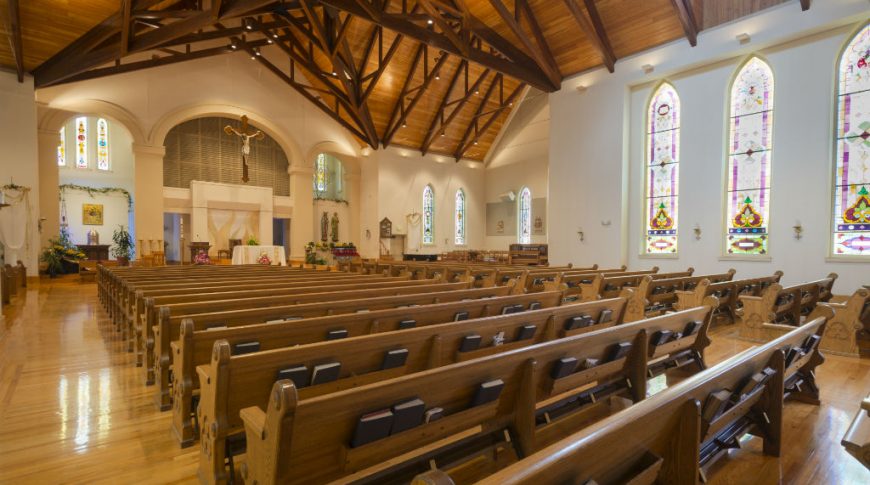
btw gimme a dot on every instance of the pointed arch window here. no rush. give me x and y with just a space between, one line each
459 229
750 153
525 216
81 142
851 219
61 148
102 144
662 171
428 215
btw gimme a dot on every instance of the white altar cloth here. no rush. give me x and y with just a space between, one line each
243 254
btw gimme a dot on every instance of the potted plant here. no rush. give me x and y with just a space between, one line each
61 256
252 241
53 261
123 248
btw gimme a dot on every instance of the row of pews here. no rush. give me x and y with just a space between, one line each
432 372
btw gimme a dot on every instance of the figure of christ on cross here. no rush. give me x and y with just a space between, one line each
246 142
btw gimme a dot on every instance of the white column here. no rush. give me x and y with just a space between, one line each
49 180
302 222
148 193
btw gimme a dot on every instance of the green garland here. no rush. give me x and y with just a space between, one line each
14 186
99 190
331 199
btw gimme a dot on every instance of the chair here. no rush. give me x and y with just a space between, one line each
145 259
158 255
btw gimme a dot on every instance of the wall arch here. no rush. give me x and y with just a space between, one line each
55 116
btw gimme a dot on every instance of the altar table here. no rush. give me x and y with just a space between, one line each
243 254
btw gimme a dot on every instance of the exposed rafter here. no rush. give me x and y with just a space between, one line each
479 131
401 110
687 20
14 30
544 60
442 123
594 30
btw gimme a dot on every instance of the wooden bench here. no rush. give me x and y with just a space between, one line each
728 293
302 439
777 304
666 439
195 347
570 283
655 296
603 286
857 437
843 329
169 326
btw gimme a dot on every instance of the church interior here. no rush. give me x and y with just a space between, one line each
435 242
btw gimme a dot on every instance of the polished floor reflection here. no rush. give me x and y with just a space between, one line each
74 408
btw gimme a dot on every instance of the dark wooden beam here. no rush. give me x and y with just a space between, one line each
14 30
507 103
126 25
382 66
687 20
216 6
496 81
472 91
445 27
439 113
524 69
537 53
524 7
594 31
400 101
421 91
805 5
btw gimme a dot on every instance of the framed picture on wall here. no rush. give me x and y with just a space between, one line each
92 214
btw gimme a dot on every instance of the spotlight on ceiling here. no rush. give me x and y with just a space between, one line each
430 22
249 25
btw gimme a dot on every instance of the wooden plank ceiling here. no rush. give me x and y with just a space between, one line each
439 76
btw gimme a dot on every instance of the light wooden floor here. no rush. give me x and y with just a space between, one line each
74 408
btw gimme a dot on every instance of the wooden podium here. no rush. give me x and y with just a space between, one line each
196 247
95 252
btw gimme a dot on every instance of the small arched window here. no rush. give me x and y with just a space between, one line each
61 148
525 216
102 144
662 171
81 142
851 220
459 217
428 215
320 173
750 153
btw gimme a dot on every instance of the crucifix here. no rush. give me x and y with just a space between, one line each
246 142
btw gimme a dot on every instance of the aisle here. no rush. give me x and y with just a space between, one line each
74 408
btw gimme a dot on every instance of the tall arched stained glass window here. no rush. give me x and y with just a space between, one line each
662 171
61 148
320 173
750 151
81 142
459 216
102 144
428 215
852 168
525 216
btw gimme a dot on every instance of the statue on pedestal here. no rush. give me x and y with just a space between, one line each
324 226
334 227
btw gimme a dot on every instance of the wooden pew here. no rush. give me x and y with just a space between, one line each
570 282
727 292
780 305
654 296
843 329
169 326
609 286
194 347
301 439
857 437
655 441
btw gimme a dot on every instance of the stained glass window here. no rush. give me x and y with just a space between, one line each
102 144
428 215
749 159
525 216
852 176
81 142
61 148
662 171
460 217
320 173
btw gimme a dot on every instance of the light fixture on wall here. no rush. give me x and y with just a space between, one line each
798 230
580 234
697 231
743 38
580 88
366 151
647 68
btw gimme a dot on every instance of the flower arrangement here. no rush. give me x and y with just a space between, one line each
264 259
252 241
201 258
344 250
60 249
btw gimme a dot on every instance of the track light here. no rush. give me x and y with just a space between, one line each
437 76
404 125
248 24
274 36
442 133
476 92
269 41
430 22
475 142
233 46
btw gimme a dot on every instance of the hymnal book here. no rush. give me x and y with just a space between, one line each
394 358
246 348
691 328
574 323
487 392
336 334
406 324
810 343
460 316
324 373
661 337
677 336
588 364
298 374
407 415
563 367
278 320
433 414
617 351
364 310
756 381
535 305
605 316
469 343
715 405
372 427
526 332
791 355
511 309
216 326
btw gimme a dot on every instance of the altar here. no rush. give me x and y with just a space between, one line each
244 254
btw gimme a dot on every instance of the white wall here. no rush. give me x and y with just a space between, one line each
18 158
402 175
596 147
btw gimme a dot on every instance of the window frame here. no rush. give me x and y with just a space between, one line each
523 190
